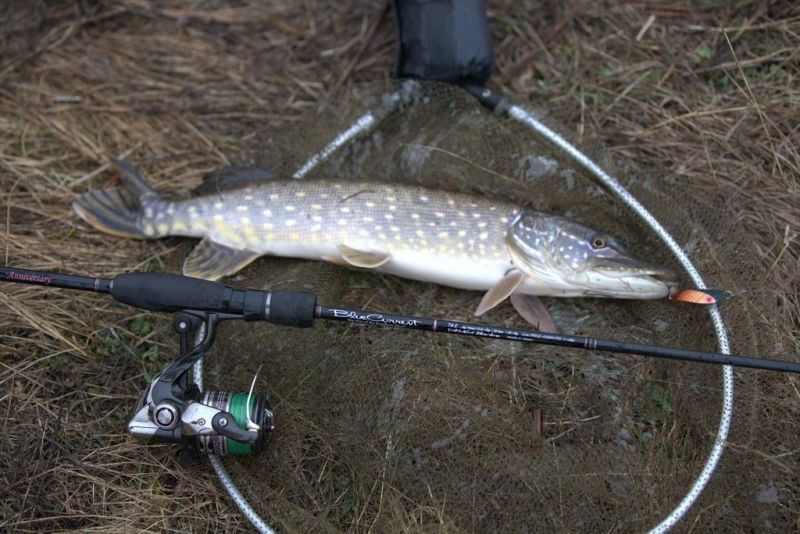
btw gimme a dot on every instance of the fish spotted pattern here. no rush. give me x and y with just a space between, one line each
455 239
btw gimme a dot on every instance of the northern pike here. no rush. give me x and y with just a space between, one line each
454 239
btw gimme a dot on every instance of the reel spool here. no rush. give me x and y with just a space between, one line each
237 405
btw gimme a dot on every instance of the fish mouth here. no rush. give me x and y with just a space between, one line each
629 278
632 268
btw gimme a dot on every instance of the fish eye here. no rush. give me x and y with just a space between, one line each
599 242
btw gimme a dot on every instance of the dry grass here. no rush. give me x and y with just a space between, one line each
706 94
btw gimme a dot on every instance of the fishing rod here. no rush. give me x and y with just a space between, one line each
172 410
171 292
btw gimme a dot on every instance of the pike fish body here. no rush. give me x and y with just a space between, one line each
455 239
449 239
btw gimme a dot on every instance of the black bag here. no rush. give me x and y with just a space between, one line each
444 40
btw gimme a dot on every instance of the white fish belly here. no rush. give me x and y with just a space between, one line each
460 272
465 273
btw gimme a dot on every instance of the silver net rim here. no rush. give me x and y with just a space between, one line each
365 123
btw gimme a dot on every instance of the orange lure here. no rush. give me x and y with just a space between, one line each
699 296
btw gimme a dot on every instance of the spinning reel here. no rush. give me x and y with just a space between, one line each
173 410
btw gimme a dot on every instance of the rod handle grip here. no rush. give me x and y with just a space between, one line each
292 308
172 292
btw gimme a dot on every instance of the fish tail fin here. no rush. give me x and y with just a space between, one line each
119 211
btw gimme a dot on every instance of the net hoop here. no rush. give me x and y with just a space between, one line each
518 113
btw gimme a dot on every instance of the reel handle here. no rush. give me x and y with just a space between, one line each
221 423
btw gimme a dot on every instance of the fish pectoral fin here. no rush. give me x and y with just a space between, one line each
363 259
501 291
211 260
532 310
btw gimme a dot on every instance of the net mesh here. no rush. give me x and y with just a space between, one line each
398 430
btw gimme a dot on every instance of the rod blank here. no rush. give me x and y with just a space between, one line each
67 281
511 334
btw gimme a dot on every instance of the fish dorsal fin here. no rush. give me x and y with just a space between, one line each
532 310
500 291
135 181
363 259
211 260
232 177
